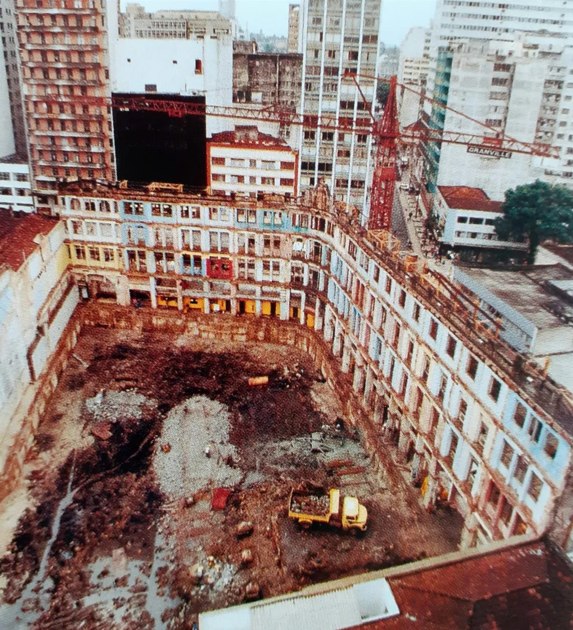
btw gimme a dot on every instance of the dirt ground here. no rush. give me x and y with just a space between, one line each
114 526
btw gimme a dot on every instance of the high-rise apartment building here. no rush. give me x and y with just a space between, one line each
522 89
293 27
457 20
227 9
339 36
11 107
65 81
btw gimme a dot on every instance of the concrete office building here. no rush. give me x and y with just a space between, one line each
413 72
135 22
338 36
266 78
7 144
520 88
248 163
459 20
293 28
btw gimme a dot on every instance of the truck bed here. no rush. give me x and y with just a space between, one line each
308 503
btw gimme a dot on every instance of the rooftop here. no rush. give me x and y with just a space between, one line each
18 236
528 586
531 292
247 135
503 586
467 198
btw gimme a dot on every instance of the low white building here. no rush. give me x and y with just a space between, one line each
534 308
247 162
15 187
467 218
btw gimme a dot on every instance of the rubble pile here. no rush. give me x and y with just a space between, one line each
310 504
125 527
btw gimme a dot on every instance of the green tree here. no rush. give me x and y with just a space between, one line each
534 213
382 92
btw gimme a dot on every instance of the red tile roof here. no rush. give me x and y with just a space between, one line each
524 587
467 198
17 234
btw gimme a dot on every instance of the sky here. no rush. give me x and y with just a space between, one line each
271 16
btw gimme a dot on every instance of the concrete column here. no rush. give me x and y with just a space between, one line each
328 329
378 407
346 356
234 303
285 305
122 291
359 378
179 296
153 292
258 307
368 389
337 345
432 485
403 441
318 317
207 303
468 532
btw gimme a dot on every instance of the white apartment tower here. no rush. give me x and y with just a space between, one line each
457 20
12 126
522 89
227 9
338 36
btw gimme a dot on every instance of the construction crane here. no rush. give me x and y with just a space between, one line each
387 135
385 131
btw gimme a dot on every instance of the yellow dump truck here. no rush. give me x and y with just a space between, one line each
318 506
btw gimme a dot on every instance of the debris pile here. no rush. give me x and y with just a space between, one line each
182 476
310 504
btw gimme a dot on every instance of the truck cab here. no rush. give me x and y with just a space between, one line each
354 514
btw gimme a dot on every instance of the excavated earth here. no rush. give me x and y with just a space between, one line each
115 525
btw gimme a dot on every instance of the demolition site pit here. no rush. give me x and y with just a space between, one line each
158 484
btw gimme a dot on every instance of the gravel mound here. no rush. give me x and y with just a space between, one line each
189 429
114 406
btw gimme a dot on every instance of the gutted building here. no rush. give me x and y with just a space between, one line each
266 78
37 299
474 423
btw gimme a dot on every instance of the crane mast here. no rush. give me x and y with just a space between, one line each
385 171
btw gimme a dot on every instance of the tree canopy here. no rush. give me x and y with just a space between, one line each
534 213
